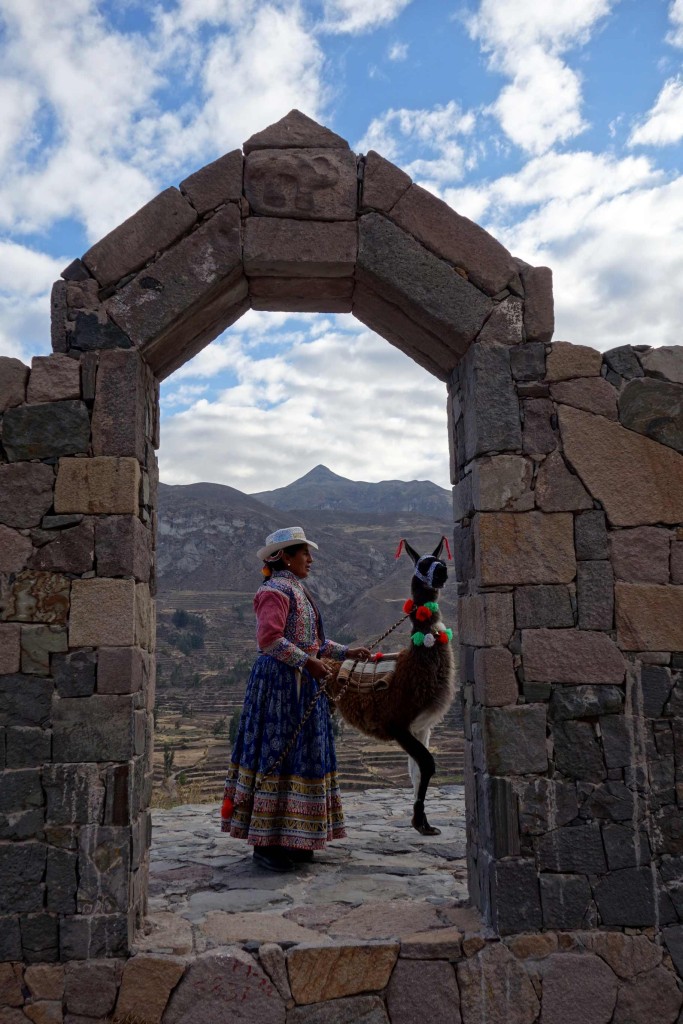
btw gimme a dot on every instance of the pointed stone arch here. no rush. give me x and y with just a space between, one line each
296 222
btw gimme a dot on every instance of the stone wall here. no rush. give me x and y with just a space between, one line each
569 504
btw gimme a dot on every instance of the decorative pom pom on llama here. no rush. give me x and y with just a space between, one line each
414 689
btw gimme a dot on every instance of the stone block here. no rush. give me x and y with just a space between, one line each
273 961
75 793
545 805
276 247
61 880
97 728
37 644
625 848
618 740
611 801
91 988
524 548
119 413
45 1012
74 673
10 635
368 1009
665 363
577 986
228 976
641 555
10 939
21 804
295 131
25 493
569 702
146 985
653 996
623 361
15 550
565 901
539 436
319 973
677 562
594 394
502 483
427 288
654 408
545 605
187 293
13 378
153 228
72 550
94 936
305 184
27 747
491 409
571 656
383 183
54 378
123 546
638 481
527 361
39 937
627 898
22 868
93 333
102 613
39 597
500 816
463 553
567 361
574 849
392 323
99 485
103 870
422 991
25 700
145 621
649 617
577 751
495 683
45 981
514 739
485 620
302 295
494 978
121 670
216 183
539 311
559 490
456 239
595 595
505 325
590 536
656 684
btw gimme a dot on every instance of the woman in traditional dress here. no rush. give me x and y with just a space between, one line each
286 807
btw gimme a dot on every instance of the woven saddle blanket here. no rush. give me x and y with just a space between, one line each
368 675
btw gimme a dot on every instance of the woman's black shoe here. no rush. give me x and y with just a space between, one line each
272 858
300 856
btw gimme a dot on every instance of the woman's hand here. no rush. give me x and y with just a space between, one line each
317 668
358 653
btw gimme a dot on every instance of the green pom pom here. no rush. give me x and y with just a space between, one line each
418 639
432 605
449 633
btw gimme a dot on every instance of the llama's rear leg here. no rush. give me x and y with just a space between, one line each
413 767
424 770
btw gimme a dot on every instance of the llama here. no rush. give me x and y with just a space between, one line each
406 704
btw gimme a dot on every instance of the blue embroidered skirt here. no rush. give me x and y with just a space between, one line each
299 803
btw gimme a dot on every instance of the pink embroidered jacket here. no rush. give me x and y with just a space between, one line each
287 625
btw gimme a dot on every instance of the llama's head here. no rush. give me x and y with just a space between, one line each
430 571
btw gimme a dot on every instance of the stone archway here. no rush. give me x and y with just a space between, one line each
570 639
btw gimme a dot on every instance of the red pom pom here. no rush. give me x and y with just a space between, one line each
423 614
442 638
378 656
408 606
227 808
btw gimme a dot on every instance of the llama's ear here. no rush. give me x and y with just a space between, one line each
412 552
439 548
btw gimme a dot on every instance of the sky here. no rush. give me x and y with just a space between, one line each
556 126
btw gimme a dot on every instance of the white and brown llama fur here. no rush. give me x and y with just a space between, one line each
419 691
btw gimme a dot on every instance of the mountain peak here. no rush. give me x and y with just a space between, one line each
320 474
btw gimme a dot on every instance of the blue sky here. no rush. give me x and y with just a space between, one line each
557 126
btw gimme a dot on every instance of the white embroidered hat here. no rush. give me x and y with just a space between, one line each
284 538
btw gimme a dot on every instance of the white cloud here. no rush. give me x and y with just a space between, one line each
382 417
26 279
663 124
525 40
355 16
398 51
675 37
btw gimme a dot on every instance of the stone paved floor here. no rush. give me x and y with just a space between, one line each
383 881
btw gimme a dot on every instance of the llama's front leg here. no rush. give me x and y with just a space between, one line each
425 769
423 736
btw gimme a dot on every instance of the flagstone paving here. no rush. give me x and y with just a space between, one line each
383 881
